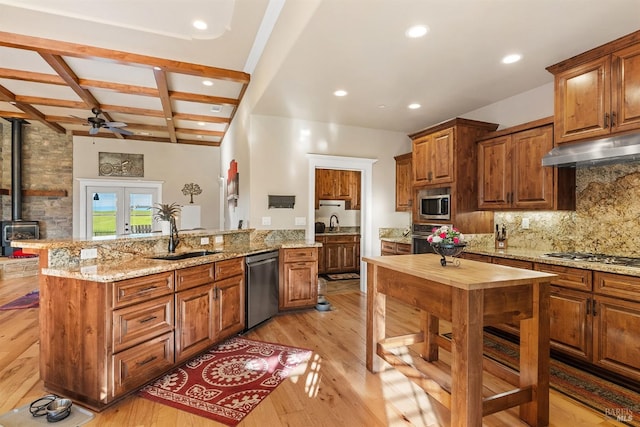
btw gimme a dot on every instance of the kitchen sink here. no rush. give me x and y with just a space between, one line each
176 257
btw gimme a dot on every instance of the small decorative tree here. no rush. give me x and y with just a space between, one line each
191 189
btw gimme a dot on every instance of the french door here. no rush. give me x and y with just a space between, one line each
116 211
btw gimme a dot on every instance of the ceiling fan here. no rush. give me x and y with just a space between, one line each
98 123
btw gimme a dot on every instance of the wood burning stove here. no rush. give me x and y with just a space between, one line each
17 230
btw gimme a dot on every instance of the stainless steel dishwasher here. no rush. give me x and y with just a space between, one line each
261 287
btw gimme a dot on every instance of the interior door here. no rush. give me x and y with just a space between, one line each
117 211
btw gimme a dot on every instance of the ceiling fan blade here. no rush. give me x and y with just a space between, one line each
94 130
118 130
115 124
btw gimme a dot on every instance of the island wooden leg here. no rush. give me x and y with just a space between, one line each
534 358
430 329
376 317
466 358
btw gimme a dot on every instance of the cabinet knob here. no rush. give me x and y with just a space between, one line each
613 119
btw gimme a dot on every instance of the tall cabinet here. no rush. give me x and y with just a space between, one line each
444 156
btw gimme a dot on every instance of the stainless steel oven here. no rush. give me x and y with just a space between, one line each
420 232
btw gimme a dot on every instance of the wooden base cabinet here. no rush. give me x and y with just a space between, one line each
298 278
100 341
339 253
394 248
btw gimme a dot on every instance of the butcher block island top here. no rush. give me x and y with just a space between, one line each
470 296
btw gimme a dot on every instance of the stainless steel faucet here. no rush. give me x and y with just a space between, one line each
331 226
174 239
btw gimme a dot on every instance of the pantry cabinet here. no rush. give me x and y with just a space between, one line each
298 278
511 175
403 182
332 184
596 92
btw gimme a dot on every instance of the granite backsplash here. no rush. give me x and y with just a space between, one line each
606 219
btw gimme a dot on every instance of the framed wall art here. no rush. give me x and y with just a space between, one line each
120 164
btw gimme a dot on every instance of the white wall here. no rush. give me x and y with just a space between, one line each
279 165
175 164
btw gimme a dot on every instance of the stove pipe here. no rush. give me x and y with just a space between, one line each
16 169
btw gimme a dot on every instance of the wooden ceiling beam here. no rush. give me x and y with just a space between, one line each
163 92
207 99
61 48
14 115
200 132
199 118
50 102
150 138
30 76
118 87
30 110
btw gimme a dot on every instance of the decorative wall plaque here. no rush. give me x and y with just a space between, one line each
121 164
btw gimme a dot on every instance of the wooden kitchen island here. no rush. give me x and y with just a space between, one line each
470 296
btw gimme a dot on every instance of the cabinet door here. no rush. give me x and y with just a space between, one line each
344 184
421 158
570 322
494 173
326 184
350 260
299 285
625 90
333 258
582 101
616 336
229 314
533 184
194 321
442 156
403 183
355 189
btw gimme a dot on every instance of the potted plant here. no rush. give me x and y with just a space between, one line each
164 214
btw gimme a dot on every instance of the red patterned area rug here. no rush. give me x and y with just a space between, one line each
227 382
30 300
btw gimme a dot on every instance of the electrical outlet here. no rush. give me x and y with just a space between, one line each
525 223
204 240
301 220
219 239
89 253
266 220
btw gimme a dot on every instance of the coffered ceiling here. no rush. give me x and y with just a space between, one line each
143 64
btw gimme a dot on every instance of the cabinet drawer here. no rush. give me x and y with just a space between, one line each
300 254
142 289
517 263
194 276
617 285
343 238
568 277
229 268
137 365
388 247
403 248
140 322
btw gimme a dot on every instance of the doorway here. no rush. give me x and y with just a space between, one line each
365 166
111 208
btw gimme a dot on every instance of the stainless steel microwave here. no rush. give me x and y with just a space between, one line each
435 206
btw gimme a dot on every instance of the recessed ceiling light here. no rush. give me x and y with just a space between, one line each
207 82
414 106
340 92
382 106
199 24
201 123
199 136
510 59
168 119
416 31
216 108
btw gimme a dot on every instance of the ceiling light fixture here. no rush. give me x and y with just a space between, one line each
201 123
510 59
207 82
416 31
414 106
199 24
382 106
216 108
340 92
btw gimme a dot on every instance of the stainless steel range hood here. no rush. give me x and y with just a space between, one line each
617 149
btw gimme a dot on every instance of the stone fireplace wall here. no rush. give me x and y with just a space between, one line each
47 158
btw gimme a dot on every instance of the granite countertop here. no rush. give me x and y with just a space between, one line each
540 257
397 239
138 265
339 233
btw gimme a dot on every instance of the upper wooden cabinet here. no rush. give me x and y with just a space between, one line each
445 155
332 184
403 182
511 175
596 93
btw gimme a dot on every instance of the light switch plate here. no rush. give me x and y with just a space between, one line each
219 239
204 240
525 223
266 220
301 220
88 253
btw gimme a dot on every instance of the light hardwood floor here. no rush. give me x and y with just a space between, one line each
333 389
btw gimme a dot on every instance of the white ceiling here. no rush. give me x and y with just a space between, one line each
356 45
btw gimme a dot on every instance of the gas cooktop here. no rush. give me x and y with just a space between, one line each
591 257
